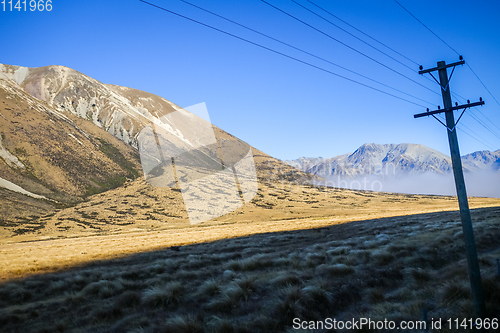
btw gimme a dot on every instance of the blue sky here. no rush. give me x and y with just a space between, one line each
282 107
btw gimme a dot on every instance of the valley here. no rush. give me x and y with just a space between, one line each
86 237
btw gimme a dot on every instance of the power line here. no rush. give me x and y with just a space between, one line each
317 67
350 47
364 33
483 84
474 135
338 18
303 51
478 140
479 120
350 34
487 118
426 27
451 49
484 125
280 53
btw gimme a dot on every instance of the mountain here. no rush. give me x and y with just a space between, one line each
65 136
407 168
51 145
394 160
377 159
118 110
485 160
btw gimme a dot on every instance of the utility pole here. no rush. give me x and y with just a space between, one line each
470 244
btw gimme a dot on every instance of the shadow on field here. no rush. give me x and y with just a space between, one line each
385 268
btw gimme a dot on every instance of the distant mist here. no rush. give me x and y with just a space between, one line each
479 184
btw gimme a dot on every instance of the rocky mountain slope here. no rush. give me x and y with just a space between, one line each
120 111
54 155
65 136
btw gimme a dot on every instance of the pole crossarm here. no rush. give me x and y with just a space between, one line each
464 106
462 62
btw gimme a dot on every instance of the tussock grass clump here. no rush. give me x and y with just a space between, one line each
183 324
221 325
186 274
248 284
287 303
164 295
228 274
229 298
315 295
256 262
135 274
102 288
209 288
233 294
15 293
360 256
294 260
286 278
454 289
314 259
382 257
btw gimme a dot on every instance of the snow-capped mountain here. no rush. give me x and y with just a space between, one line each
484 159
408 168
378 159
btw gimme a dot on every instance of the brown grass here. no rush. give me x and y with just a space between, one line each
58 243
384 268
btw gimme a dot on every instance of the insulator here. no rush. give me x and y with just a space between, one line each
456 104
480 99
468 101
439 107
461 58
421 67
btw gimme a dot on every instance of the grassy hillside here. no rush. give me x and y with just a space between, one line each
59 156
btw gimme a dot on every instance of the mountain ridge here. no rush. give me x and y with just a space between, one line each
406 158
405 168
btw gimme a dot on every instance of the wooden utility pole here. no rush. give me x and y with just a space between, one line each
470 244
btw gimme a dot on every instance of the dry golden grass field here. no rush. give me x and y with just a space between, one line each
139 217
387 268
